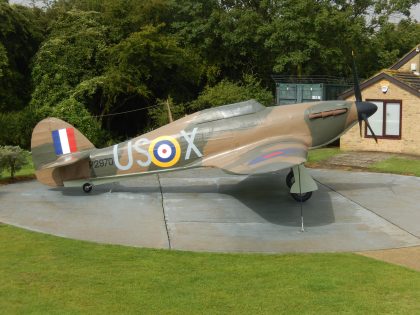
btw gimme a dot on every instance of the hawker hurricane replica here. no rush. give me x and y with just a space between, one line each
241 138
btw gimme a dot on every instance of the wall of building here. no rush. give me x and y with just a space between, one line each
410 131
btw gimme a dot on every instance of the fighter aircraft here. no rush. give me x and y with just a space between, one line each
241 138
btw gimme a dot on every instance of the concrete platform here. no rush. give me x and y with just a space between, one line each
208 210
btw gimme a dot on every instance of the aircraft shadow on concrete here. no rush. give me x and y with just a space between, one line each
106 189
267 195
340 186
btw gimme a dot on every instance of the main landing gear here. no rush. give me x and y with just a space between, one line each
87 187
306 183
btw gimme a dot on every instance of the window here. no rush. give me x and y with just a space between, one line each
386 122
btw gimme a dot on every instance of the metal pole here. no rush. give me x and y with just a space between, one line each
168 108
302 229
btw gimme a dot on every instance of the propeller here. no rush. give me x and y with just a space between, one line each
364 109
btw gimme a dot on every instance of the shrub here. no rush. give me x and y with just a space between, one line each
12 158
228 92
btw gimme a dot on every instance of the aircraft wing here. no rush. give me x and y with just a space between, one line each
262 157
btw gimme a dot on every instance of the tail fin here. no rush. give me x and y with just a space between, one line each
55 144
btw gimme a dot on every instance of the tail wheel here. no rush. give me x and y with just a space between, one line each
290 180
87 188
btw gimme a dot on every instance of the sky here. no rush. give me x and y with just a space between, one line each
415 11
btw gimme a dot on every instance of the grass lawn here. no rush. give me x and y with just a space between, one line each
322 154
45 274
398 165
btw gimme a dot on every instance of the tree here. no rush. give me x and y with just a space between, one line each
16 128
77 115
317 37
227 35
142 68
12 158
81 61
20 35
153 65
4 61
389 44
73 52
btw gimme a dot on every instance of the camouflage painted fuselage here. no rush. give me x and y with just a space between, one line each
241 138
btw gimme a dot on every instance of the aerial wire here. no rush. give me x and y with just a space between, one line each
302 229
126 112
108 115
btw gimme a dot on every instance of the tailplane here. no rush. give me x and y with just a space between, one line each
56 144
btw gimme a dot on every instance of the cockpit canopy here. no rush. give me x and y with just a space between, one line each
229 111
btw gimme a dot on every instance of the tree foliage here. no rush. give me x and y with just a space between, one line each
73 52
16 127
77 115
4 61
227 92
20 36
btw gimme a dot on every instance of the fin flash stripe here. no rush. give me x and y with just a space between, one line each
64 141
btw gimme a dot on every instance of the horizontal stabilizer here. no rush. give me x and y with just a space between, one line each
65 160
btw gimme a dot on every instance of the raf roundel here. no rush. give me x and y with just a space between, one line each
165 151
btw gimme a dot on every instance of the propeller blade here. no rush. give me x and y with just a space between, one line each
357 92
370 128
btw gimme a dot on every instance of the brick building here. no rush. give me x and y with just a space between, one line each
396 92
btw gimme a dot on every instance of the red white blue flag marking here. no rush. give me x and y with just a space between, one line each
64 141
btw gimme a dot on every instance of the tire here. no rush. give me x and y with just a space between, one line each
87 188
290 180
305 196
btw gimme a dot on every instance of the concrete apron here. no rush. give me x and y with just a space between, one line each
207 210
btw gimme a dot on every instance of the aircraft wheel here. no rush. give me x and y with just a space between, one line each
290 179
87 188
304 196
